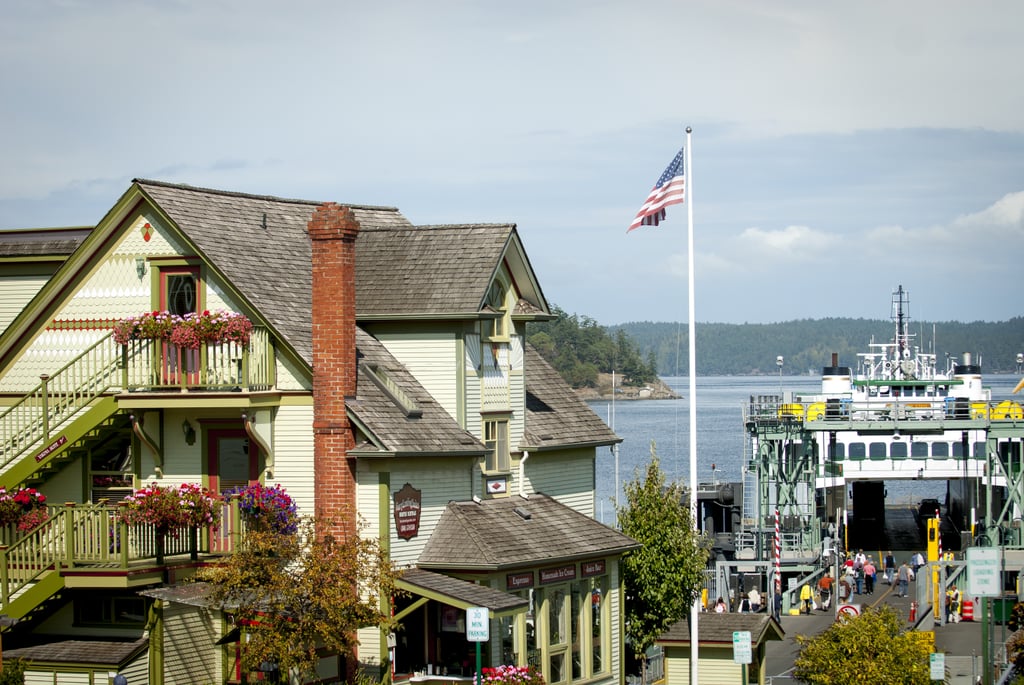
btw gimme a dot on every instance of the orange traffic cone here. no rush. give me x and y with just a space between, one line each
913 612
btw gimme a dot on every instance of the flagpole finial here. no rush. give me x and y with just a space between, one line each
689 130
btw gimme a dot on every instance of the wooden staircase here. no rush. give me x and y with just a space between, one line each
62 419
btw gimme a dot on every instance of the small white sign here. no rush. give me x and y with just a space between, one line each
984 571
741 652
478 625
937 666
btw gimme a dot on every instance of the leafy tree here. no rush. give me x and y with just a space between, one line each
297 592
662 578
870 648
13 672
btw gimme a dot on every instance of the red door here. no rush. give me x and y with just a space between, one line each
233 459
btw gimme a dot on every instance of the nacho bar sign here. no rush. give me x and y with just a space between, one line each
408 502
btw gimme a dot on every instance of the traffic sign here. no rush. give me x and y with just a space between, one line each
984 571
741 652
848 611
478 625
937 666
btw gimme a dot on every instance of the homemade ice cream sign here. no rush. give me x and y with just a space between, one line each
408 503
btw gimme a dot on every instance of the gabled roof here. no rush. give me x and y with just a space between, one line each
513 532
259 243
555 416
717 629
403 420
427 270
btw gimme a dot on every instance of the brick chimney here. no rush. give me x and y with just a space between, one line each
333 230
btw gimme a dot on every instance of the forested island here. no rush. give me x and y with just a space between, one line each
582 350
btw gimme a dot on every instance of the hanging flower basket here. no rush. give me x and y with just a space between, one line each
167 508
265 508
24 508
187 332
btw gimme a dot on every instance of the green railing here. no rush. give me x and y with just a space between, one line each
32 420
78 535
142 365
158 365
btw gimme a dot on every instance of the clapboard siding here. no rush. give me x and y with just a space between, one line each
713 666
567 476
432 359
190 652
15 293
371 648
293 454
441 481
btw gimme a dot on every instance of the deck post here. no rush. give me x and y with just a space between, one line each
122 535
44 400
4 579
69 534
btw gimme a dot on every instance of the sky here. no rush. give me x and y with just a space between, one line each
839 150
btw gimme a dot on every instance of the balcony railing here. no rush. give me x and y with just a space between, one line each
77 535
141 365
158 365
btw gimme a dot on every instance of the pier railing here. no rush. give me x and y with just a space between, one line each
833 411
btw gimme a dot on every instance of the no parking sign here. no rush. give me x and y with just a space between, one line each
848 611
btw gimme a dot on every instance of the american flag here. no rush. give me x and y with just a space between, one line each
667 191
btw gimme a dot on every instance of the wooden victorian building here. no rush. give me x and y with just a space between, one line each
387 377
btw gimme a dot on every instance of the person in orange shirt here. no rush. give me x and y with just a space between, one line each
825 589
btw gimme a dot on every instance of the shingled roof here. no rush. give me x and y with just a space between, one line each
260 244
96 653
514 532
401 416
427 270
555 416
459 593
42 242
717 629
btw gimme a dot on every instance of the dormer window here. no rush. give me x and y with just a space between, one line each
496 440
496 300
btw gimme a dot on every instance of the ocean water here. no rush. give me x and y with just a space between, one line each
720 434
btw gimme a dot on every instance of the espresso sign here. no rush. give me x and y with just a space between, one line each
554 575
408 503
516 581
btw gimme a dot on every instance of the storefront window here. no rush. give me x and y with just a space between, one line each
598 594
532 651
507 630
577 617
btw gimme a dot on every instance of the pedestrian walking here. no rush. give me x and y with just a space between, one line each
869 577
917 561
825 590
754 597
890 567
806 598
903 579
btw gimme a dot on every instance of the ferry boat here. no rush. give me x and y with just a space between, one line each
817 464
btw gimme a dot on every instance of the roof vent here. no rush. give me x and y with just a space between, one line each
523 513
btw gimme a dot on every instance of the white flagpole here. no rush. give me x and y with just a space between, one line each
695 608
